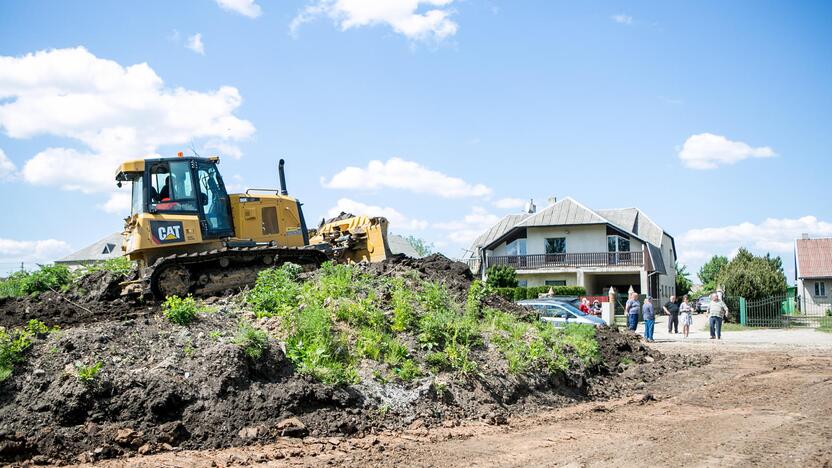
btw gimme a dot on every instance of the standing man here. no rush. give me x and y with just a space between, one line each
632 309
717 310
649 318
672 311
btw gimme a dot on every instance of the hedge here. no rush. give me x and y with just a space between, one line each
520 293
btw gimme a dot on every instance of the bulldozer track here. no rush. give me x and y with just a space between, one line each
221 269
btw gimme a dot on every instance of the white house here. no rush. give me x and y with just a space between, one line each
813 269
567 243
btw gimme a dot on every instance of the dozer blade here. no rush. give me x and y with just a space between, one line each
354 238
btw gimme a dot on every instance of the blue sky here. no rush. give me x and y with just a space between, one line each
714 118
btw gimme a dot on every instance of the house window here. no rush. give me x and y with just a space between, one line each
516 247
820 288
108 248
555 245
555 283
618 244
522 283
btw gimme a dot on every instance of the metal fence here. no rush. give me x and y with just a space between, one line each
782 312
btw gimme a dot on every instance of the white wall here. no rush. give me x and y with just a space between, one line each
812 303
579 239
667 283
539 279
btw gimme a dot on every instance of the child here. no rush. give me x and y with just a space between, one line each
686 316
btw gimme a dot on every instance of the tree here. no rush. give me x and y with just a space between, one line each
683 282
501 276
710 270
753 277
420 246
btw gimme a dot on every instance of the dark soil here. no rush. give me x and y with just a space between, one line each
163 386
93 298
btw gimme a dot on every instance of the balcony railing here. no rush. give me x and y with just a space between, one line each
567 260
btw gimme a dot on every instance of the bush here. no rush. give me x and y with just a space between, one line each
180 310
48 278
501 276
252 340
12 345
532 292
87 374
117 265
476 294
13 285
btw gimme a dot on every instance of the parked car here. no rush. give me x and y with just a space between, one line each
560 313
702 304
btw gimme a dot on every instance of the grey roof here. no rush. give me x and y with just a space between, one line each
400 245
656 258
104 249
504 225
564 212
635 221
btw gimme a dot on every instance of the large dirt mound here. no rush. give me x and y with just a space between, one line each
93 298
163 385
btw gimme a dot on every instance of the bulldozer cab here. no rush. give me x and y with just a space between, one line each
182 187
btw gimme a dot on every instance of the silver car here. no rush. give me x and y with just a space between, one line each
560 313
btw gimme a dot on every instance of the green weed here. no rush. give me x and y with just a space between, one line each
404 313
180 310
87 374
276 292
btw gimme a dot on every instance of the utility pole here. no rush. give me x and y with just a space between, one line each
21 267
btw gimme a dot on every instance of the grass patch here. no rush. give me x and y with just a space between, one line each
180 310
252 340
525 344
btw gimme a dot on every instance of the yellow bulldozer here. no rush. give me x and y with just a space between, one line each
190 236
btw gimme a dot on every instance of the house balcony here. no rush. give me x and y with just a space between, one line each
568 260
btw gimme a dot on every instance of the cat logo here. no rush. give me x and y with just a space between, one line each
165 232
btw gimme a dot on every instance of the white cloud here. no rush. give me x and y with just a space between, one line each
33 251
773 235
709 151
465 230
622 19
7 167
509 203
244 7
223 148
405 175
398 221
117 113
414 19
195 44
118 203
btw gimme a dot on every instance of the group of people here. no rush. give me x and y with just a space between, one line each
594 309
676 312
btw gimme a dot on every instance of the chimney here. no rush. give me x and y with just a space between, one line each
530 206
552 200
805 236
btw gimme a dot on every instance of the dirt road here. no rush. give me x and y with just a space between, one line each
760 405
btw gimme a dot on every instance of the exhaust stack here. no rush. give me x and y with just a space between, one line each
282 176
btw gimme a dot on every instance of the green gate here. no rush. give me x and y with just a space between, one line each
779 312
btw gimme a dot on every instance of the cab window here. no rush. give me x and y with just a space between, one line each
137 205
171 187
